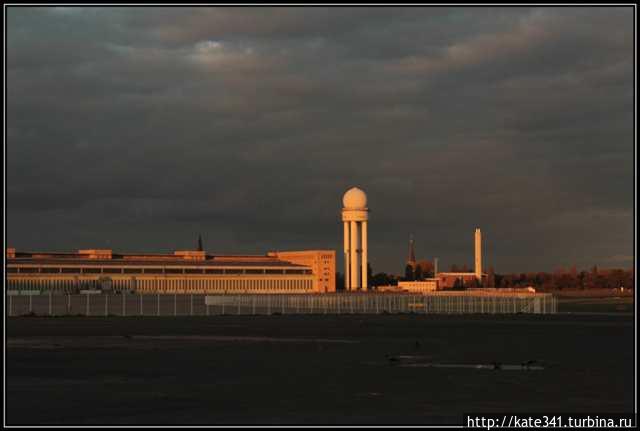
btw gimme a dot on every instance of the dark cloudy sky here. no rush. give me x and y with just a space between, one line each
138 128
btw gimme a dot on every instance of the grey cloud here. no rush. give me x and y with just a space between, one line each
137 128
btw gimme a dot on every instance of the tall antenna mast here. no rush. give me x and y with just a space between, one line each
412 253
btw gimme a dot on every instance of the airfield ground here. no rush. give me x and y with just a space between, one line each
316 369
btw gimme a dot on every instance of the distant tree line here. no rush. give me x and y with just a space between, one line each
423 269
374 280
561 278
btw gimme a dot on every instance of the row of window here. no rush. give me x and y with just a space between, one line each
166 285
51 270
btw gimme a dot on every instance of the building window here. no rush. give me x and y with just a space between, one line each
153 270
173 270
91 270
50 270
133 270
254 271
71 270
193 271
233 271
112 270
213 271
29 270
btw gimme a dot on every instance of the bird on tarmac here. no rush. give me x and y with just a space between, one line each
392 359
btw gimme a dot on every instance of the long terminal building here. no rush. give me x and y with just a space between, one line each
309 271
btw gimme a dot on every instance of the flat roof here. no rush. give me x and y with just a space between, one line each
130 262
148 259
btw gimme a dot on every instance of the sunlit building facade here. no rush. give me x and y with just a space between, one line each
321 262
180 272
422 286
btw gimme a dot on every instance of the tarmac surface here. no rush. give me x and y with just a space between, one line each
314 369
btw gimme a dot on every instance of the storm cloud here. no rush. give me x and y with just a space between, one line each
137 129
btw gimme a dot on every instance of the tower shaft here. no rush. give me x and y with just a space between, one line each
355 274
363 257
347 251
354 219
478 255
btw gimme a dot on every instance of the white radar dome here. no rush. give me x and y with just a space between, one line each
354 198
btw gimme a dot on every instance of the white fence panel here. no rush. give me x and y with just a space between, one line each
158 304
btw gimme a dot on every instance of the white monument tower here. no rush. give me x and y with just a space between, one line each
478 265
354 216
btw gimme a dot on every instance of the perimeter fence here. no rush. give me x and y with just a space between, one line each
161 304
